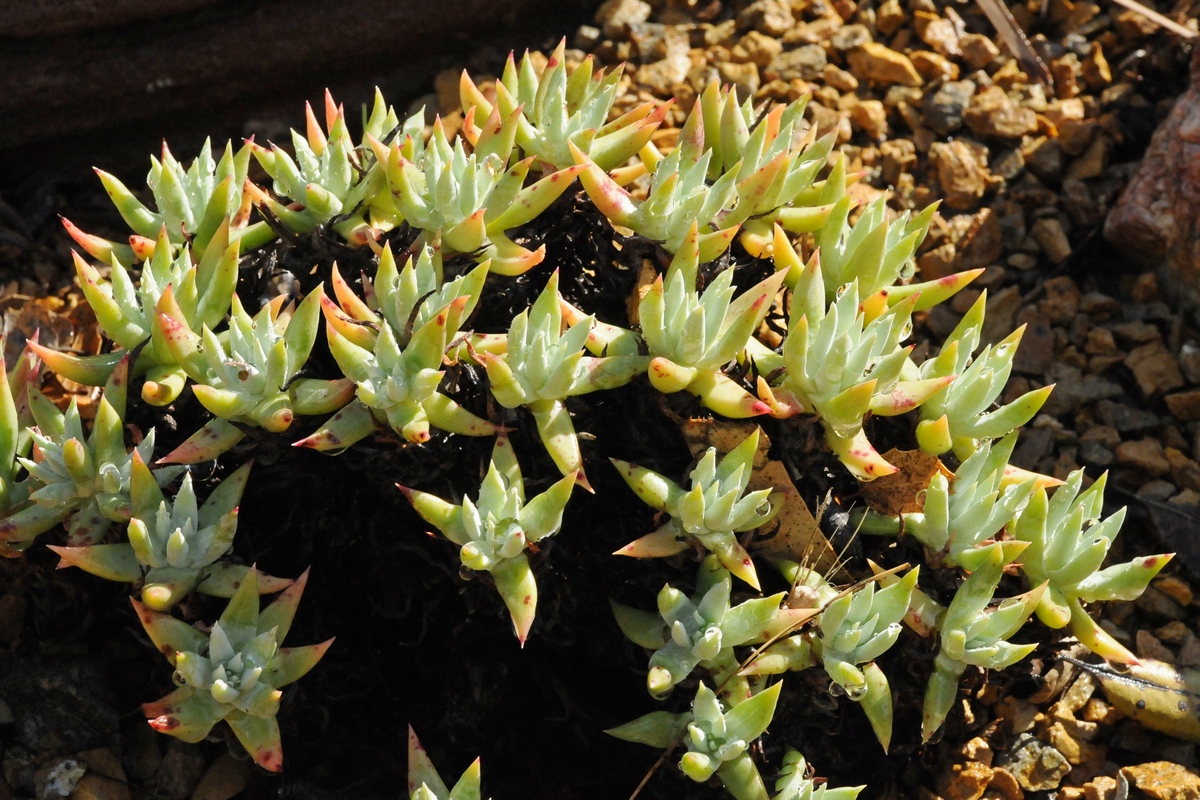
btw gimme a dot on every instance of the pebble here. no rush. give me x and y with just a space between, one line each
1185 405
179 771
1048 233
807 63
1037 766
943 109
58 778
225 779
1175 588
848 37
1155 369
880 64
1159 605
977 50
1174 632
992 113
1163 780
757 49
964 781
772 17
1005 785
1148 646
963 179
933 66
616 16
1021 715
1145 455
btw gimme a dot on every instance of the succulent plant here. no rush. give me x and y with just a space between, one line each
959 418
701 630
235 673
794 783
842 365
854 629
203 292
718 740
710 513
1068 544
467 202
560 107
543 366
174 547
20 518
494 531
424 783
971 633
84 479
679 197
691 336
249 374
961 521
394 353
331 179
192 204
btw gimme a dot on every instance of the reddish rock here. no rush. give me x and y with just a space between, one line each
1157 219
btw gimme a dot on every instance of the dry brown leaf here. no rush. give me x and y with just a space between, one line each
899 492
794 534
646 278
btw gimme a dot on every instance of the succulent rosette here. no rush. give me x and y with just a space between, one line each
331 179
560 107
795 784
234 673
972 633
543 366
202 291
494 531
701 630
249 374
394 353
710 513
1068 544
174 546
191 204
843 363
468 202
959 419
718 739
691 336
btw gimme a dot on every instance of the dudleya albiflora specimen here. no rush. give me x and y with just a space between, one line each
414 204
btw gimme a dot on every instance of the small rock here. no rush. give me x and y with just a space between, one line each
757 49
1155 369
615 16
1062 299
772 17
876 62
1174 632
743 76
943 109
977 749
962 177
179 771
226 778
1163 780
933 66
870 117
839 78
1148 646
899 155
664 75
1005 785
1156 491
993 114
848 37
1095 68
977 50
1185 405
1145 456
586 37
1019 714
1093 162
1037 766
964 781
889 17
942 36
1159 605
58 778
105 778
807 63
1131 334
1100 788
1048 233
983 242
1124 418
1175 588
1189 651
1043 156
